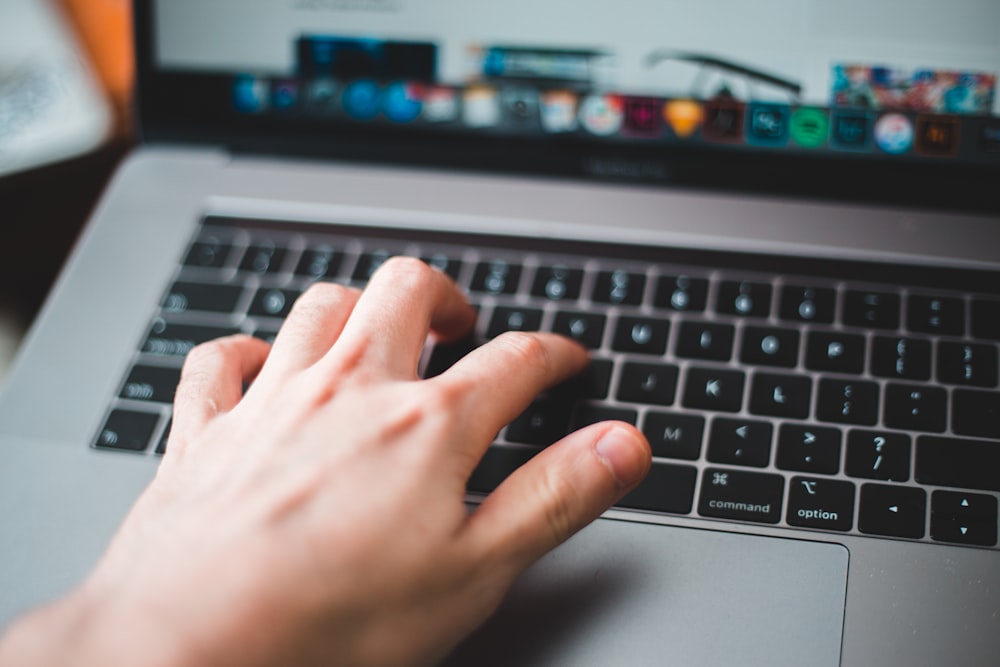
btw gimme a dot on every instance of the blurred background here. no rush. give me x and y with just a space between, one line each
66 76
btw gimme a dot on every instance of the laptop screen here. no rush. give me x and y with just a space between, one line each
650 90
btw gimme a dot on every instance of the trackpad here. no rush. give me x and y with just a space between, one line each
624 593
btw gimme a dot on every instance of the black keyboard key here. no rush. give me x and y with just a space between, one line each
654 384
619 288
744 298
847 402
740 442
176 340
893 511
780 395
878 455
209 253
127 430
184 297
319 263
916 408
826 504
585 328
986 319
765 346
155 384
701 340
807 304
976 413
545 421
369 263
667 488
587 414
272 302
557 283
645 335
937 315
514 318
497 465
449 265
746 496
496 277
674 436
958 463
901 358
444 355
161 446
964 518
682 293
593 383
711 389
967 364
835 352
813 449
878 310
263 257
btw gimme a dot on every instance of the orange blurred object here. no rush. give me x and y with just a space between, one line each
105 29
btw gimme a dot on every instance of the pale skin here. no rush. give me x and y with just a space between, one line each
319 519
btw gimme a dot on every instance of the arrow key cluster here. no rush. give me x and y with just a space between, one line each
964 518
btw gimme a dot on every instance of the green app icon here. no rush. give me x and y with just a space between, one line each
809 127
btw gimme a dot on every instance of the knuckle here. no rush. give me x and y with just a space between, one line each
525 348
557 495
319 299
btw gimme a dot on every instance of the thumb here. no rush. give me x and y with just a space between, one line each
559 491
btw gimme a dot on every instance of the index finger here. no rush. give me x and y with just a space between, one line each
404 300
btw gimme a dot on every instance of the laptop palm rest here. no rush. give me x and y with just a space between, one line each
625 593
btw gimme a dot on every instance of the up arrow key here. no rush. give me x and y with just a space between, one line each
965 502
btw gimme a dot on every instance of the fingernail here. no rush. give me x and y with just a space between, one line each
625 454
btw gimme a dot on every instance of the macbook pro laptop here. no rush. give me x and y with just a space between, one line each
776 225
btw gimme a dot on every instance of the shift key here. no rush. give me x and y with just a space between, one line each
744 496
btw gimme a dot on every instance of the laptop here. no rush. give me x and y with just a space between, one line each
777 228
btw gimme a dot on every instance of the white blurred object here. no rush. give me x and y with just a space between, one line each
51 104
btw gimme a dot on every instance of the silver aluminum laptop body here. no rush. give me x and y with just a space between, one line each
636 587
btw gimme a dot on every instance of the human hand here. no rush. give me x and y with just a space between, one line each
319 519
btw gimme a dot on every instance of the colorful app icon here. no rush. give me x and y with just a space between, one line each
558 111
642 117
403 101
284 94
683 116
321 96
809 127
851 131
723 121
480 107
937 135
767 124
250 94
362 99
440 104
602 115
894 133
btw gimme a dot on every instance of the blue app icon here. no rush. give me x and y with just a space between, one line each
767 124
250 95
851 130
403 102
362 99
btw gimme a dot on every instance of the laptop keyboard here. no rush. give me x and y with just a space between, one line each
806 394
